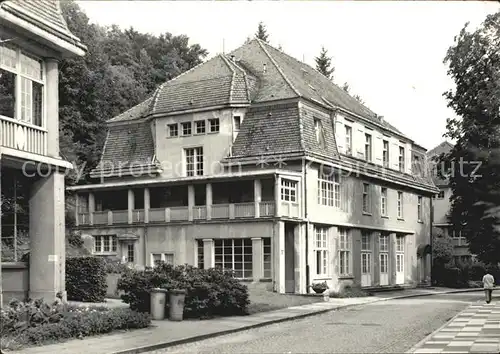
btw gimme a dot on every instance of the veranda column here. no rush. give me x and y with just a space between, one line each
52 113
47 237
257 193
131 206
147 205
209 200
91 208
191 201
392 258
208 253
257 259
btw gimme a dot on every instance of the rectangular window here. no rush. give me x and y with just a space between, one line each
21 86
400 205
383 201
214 125
400 243
329 188
159 258
348 140
419 208
266 243
366 198
186 128
321 250
440 195
200 254
289 190
173 130
401 159
416 168
234 254
344 252
383 242
368 147
200 127
130 253
194 161
385 154
104 244
236 123
366 241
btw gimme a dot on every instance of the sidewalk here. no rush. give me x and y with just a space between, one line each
474 330
164 334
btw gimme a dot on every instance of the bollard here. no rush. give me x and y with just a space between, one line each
158 302
177 298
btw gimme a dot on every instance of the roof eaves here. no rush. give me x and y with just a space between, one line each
278 68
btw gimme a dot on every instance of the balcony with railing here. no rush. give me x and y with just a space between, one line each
187 203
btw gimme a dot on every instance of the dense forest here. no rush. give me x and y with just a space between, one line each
122 68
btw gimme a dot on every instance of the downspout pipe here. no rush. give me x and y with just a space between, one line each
432 237
304 168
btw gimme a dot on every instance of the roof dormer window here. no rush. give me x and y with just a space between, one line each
318 130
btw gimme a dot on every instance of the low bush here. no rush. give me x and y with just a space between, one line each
210 292
36 322
114 266
350 291
86 279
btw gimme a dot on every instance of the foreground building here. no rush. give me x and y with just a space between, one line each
33 38
256 162
441 207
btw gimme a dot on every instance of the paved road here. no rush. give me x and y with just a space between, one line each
384 327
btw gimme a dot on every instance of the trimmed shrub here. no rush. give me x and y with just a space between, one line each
33 323
210 292
86 279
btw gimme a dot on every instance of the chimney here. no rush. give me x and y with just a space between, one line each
381 119
233 58
265 68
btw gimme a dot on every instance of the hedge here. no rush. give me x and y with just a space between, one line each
36 322
210 292
86 279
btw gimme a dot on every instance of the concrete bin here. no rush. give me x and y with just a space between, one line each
158 302
177 298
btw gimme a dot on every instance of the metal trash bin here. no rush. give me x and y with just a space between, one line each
177 298
158 302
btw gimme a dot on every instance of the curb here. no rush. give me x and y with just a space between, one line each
429 336
201 337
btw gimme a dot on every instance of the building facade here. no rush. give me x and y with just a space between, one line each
441 207
256 162
33 38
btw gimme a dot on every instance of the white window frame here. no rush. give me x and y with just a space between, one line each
440 195
366 241
163 257
287 187
267 266
321 250
345 252
400 244
237 118
383 242
213 125
401 159
368 147
130 247
200 124
186 124
385 153
112 242
419 208
233 262
19 76
197 152
170 130
400 208
329 188
383 201
366 203
348 139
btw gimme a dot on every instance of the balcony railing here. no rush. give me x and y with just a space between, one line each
180 214
21 136
459 241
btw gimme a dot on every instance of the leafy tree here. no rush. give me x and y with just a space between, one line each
262 32
473 165
345 87
324 63
442 250
120 69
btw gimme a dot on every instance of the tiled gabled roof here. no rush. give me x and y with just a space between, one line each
127 146
45 14
445 147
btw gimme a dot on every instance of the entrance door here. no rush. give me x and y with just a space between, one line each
400 268
366 269
384 271
289 258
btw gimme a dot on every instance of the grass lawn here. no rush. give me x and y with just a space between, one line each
262 300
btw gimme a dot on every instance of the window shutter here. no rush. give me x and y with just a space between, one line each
378 148
337 257
359 143
340 136
394 155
